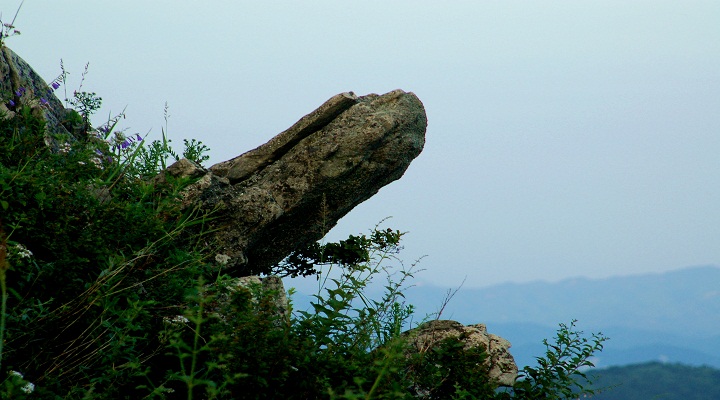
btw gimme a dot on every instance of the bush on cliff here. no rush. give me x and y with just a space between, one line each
110 291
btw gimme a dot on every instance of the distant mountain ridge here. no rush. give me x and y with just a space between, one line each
671 317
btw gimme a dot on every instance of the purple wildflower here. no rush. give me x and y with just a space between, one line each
125 144
139 138
20 92
43 101
55 85
12 103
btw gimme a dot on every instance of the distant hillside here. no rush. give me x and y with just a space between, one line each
670 317
626 346
683 302
657 381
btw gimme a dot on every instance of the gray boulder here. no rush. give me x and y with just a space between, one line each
501 365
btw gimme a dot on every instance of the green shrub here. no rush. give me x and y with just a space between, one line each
561 372
89 249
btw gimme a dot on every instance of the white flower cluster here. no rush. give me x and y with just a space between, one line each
222 259
178 319
65 148
23 251
29 387
97 162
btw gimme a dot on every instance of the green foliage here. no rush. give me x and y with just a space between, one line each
88 251
344 326
351 251
559 374
101 266
449 371
86 104
154 156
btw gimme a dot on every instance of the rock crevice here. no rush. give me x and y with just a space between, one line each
243 166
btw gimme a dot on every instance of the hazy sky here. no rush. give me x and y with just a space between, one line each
565 138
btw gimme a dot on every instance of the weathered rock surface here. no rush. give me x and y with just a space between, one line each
270 287
502 367
290 191
15 74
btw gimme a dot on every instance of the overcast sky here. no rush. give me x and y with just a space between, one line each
565 138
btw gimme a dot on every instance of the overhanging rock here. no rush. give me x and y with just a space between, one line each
290 191
284 194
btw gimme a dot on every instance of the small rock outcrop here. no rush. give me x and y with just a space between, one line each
270 287
20 84
501 364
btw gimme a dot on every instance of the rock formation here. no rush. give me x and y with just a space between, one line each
290 191
502 367
20 84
